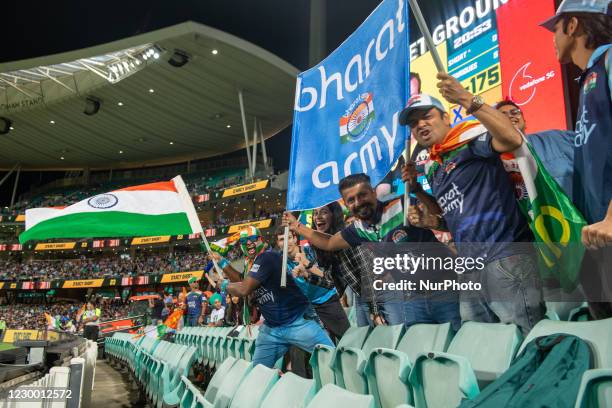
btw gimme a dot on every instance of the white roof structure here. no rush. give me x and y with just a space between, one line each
150 112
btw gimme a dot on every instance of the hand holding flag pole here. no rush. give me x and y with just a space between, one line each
414 6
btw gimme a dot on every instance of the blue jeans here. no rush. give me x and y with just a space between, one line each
191 321
391 310
511 293
434 308
273 342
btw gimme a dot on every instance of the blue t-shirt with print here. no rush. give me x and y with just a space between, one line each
592 188
194 303
317 295
279 306
478 200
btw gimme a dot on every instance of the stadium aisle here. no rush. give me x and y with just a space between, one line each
111 389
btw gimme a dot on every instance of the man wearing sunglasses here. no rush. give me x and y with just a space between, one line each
285 310
555 148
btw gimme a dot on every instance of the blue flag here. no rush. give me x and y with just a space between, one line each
347 108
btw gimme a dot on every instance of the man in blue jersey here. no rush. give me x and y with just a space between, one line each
285 310
583 35
473 198
315 284
195 303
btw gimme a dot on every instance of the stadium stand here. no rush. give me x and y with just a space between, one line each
427 359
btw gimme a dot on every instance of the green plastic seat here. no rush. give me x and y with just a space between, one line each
217 346
247 346
580 314
596 333
478 354
254 387
333 396
595 389
190 395
322 359
387 370
229 385
291 391
171 375
217 379
349 362
560 310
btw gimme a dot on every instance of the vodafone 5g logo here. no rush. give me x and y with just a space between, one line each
523 86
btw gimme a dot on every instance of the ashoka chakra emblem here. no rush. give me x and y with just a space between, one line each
103 201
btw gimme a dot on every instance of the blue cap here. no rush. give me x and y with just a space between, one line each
577 6
419 102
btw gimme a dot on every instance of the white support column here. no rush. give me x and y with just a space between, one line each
263 147
6 176
245 131
255 130
15 186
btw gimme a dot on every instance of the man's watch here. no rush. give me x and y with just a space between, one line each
476 104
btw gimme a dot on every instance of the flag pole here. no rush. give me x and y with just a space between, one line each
418 16
414 6
217 267
283 279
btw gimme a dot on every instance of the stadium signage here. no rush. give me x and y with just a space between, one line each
13 335
85 283
346 109
53 246
181 276
259 224
246 188
150 240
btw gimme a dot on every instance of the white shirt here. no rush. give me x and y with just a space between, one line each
217 315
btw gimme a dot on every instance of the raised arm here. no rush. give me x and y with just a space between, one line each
505 137
244 288
318 239
232 274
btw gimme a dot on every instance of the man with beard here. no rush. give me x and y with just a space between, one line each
376 221
286 311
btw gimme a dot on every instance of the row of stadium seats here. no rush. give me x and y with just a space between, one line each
239 384
236 383
214 344
411 367
389 364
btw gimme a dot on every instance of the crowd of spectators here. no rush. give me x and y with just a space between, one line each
23 316
116 266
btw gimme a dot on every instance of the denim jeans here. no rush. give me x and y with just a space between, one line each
191 321
435 308
392 311
511 293
273 342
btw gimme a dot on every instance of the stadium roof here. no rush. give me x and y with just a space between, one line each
151 112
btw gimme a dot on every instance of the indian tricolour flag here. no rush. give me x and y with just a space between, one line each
223 246
163 208
357 118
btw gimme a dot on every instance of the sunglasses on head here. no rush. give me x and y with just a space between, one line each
252 238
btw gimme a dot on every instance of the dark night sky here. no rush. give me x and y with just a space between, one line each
280 26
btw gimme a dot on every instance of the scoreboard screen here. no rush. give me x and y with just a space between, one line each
496 49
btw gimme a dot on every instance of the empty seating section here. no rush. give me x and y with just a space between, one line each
424 366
